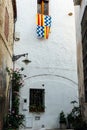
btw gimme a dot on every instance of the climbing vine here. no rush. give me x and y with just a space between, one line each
14 119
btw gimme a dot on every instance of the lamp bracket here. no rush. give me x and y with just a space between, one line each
16 57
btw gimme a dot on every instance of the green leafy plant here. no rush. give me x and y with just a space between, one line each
75 118
62 118
14 119
34 108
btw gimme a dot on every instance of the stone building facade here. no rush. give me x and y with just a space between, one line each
6 52
81 38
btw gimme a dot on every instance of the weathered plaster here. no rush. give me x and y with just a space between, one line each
6 51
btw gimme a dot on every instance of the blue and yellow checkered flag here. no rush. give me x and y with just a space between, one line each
43 25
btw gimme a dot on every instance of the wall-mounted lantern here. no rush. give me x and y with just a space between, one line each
16 57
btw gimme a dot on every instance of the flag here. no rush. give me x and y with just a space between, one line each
47 20
43 25
40 31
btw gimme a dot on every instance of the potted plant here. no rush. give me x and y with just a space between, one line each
34 108
75 119
62 120
70 120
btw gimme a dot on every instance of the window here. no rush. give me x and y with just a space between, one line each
6 26
84 50
14 9
36 100
77 2
43 7
43 19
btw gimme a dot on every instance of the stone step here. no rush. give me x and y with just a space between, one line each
59 129
46 129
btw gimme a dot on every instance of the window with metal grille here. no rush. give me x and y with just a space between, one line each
43 7
37 100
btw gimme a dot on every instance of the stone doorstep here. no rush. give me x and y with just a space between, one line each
47 129
59 129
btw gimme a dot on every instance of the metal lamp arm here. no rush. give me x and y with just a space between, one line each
14 58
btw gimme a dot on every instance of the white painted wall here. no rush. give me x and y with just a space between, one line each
53 60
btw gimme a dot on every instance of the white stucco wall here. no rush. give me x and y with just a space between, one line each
53 60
